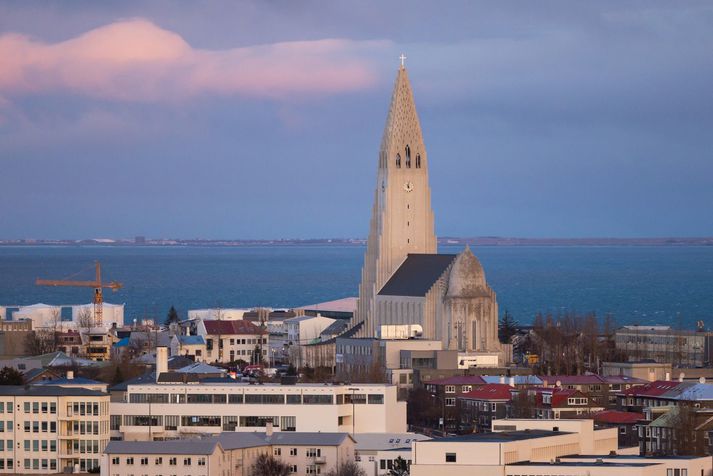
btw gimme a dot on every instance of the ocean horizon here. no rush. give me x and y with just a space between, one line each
670 285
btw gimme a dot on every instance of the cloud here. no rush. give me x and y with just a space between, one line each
136 60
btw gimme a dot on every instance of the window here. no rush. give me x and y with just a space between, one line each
398 161
130 460
186 461
450 389
201 461
158 461
450 457
27 410
293 451
144 461
408 157
466 388
172 461
450 402
53 407
418 161
295 399
376 399
277 451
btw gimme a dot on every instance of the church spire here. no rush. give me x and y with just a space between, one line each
402 219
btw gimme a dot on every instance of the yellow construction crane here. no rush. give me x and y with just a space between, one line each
96 284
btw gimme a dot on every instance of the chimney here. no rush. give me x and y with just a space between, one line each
161 361
668 376
502 379
70 374
681 376
268 429
512 381
702 380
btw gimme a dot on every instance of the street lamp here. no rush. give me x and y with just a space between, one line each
352 389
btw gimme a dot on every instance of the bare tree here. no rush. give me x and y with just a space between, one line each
347 468
268 465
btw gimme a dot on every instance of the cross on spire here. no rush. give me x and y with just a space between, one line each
403 59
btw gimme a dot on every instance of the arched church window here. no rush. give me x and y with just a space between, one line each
408 157
418 161
398 161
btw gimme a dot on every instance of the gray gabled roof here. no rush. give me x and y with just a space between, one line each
233 440
417 274
168 447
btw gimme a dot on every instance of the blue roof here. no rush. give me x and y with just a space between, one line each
122 342
73 381
191 340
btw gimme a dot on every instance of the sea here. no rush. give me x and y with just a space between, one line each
635 284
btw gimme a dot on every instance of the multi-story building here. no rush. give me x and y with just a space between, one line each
682 348
52 429
179 404
193 347
625 423
486 403
231 340
229 453
377 453
600 390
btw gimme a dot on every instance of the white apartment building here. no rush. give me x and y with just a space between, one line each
545 448
228 454
52 429
376 453
179 405
216 313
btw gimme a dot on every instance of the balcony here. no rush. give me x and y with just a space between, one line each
318 460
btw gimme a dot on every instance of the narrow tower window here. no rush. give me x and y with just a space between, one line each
408 157
398 161
418 161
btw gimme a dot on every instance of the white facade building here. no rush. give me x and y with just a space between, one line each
304 329
217 314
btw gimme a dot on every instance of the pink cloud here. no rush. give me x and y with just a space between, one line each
135 60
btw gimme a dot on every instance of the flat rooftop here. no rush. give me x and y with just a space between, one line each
586 463
498 437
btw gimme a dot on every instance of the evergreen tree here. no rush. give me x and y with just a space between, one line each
507 328
11 376
172 316
399 468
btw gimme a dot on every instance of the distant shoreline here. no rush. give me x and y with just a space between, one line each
453 241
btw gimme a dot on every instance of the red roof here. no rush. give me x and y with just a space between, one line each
230 327
491 391
458 380
616 416
653 389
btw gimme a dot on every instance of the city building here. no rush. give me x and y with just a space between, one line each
193 347
228 453
625 423
52 429
231 340
182 404
643 370
479 407
376 453
682 348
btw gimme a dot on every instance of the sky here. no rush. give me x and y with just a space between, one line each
262 120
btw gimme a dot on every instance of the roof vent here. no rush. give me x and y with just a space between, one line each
555 428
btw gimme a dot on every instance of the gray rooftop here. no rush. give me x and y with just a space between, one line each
48 391
168 447
417 274
499 437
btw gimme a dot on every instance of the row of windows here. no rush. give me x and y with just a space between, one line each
158 461
2 425
6 444
38 426
4 405
38 407
229 423
258 398
7 463
37 463
40 445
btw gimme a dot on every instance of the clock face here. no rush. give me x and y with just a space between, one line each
408 186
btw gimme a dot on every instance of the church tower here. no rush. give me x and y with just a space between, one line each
401 218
